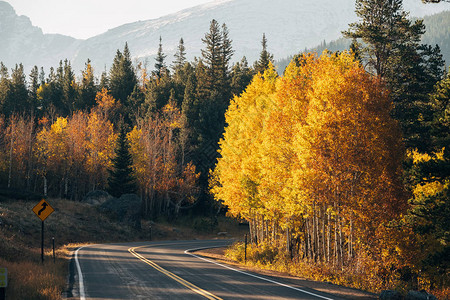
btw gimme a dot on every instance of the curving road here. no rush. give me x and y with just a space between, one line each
167 270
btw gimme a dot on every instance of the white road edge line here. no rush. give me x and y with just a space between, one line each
255 276
80 276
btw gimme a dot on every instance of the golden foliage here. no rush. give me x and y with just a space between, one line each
316 154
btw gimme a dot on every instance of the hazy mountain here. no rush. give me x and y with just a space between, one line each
21 42
290 26
437 32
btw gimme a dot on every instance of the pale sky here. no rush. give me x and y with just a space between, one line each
86 18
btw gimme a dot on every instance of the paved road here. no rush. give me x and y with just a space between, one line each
165 270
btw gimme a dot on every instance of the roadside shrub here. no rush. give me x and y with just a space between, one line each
264 254
236 252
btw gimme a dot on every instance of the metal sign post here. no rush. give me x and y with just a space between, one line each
53 243
42 242
43 210
3 283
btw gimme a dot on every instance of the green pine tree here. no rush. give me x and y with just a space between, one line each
212 56
180 56
69 92
418 72
392 51
241 76
160 65
19 99
441 122
5 87
121 178
180 79
33 87
157 93
387 32
122 81
226 55
88 89
122 77
104 81
264 58
42 76
135 107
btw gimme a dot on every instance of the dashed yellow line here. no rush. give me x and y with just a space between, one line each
187 284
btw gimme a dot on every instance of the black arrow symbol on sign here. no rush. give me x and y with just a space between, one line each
44 206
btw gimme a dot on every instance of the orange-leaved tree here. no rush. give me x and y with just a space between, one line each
349 151
165 183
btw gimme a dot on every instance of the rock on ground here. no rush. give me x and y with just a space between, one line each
125 209
390 295
96 197
422 295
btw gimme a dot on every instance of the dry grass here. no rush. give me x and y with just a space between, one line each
362 275
33 280
267 257
73 224
20 232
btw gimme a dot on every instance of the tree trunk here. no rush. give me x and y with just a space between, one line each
350 241
328 235
336 258
30 156
45 186
323 234
288 241
308 240
66 185
11 156
341 257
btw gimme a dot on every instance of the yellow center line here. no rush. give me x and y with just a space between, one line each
187 284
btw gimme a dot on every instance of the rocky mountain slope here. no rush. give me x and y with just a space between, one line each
290 26
21 42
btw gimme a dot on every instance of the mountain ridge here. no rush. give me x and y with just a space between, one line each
290 26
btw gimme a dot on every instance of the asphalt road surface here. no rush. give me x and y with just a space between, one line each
167 270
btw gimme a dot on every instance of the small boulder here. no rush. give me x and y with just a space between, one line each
390 295
125 209
96 197
422 295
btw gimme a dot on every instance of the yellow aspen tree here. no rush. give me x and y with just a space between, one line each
350 152
101 141
52 154
140 158
288 110
238 172
316 153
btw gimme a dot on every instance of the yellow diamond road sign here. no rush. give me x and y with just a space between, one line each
3 277
43 210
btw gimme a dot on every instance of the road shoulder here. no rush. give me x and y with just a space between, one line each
338 291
